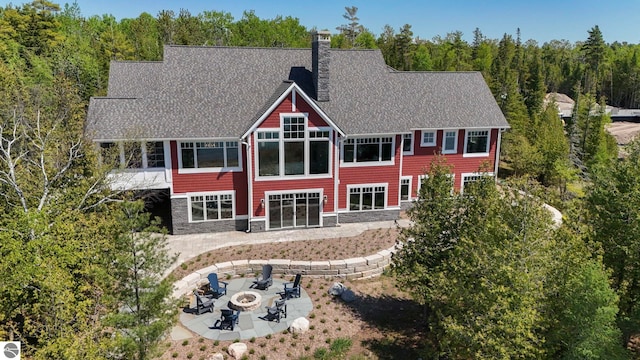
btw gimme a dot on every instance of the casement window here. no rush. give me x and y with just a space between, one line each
155 154
319 152
405 188
450 141
476 142
110 153
294 136
407 144
471 177
369 149
269 153
367 197
293 150
209 154
133 154
210 207
428 138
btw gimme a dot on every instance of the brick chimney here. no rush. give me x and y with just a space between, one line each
320 63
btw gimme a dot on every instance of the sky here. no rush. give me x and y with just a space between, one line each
540 20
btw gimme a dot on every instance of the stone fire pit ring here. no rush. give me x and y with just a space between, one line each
245 301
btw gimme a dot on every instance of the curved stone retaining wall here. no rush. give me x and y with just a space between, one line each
350 269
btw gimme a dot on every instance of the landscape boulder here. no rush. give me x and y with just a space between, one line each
236 350
299 326
216 356
337 289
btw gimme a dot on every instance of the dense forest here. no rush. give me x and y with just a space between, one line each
71 261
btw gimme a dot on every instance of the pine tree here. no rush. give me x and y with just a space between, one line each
143 295
613 206
352 29
594 54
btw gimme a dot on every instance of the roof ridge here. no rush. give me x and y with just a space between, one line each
236 47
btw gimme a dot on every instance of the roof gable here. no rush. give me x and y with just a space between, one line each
292 88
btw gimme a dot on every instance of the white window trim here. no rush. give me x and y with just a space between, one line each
466 139
182 170
410 178
233 204
473 174
352 186
308 128
425 176
411 136
455 141
369 163
428 144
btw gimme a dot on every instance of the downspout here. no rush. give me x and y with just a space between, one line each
249 184
400 174
336 178
497 162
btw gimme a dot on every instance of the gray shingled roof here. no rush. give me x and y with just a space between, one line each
204 92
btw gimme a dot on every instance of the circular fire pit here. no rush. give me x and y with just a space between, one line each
245 301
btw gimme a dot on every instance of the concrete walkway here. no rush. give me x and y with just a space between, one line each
190 246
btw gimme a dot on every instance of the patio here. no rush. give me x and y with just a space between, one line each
250 324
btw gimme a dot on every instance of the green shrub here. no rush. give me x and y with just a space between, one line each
340 346
321 354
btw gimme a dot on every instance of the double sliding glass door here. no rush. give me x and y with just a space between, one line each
293 210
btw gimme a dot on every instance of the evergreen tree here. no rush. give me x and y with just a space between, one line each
145 311
581 307
593 51
352 29
554 147
143 34
404 47
534 89
613 205
499 280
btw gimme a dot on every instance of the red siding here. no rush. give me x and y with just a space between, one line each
372 175
419 162
411 165
314 117
286 107
213 181
262 186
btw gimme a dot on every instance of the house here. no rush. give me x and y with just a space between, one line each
269 138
